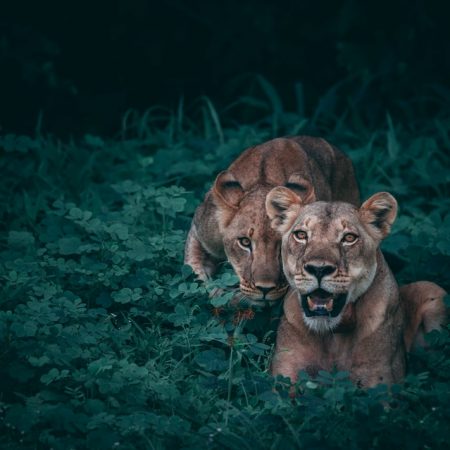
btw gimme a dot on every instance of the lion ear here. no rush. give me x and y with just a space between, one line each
379 212
228 190
302 187
282 207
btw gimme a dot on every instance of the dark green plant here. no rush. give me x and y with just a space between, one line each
108 341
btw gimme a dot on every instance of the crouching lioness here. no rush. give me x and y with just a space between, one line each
344 310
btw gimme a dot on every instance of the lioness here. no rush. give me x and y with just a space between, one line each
344 308
232 224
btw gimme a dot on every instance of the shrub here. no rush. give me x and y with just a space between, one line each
108 341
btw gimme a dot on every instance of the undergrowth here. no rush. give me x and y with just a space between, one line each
108 341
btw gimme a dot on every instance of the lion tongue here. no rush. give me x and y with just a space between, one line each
320 300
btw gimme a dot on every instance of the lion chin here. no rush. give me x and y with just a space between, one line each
322 310
254 298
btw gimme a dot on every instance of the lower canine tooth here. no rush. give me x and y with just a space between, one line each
329 305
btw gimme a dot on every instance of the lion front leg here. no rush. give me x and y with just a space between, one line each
202 263
385 364
293 353
365 378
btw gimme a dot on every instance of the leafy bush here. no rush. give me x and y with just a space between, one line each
108 341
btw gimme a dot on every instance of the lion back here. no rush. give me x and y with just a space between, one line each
336 167
274 162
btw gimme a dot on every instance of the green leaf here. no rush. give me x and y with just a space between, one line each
119 230
181 316
76 213
186 271
123 296
311 385
50 376
39 362
25 329
20 239
69 245
222 299
212 360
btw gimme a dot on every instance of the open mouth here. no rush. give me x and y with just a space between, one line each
321 303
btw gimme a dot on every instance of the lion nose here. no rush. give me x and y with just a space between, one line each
319 271
265 289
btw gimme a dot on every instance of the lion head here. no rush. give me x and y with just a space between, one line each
251 245
329 250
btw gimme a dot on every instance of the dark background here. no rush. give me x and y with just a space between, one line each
76 67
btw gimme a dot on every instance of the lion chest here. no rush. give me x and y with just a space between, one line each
332 352
302 350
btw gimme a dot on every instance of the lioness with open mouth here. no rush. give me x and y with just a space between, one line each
344 310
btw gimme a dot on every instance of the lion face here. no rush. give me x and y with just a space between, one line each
250 244
253 249
329 250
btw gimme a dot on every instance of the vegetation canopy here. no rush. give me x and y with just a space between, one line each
108 341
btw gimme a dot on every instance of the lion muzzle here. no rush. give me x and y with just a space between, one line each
320 302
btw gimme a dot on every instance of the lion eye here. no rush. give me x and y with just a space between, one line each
245 242
349 238
300 235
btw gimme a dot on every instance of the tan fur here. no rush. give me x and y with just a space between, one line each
425 311
371 334
235 208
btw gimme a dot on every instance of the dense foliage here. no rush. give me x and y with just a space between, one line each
106 339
